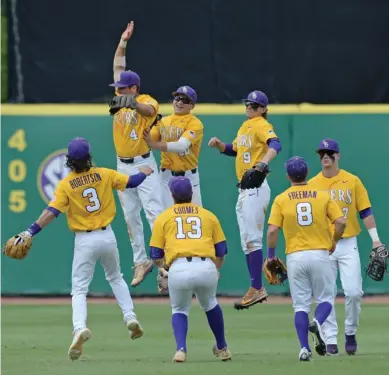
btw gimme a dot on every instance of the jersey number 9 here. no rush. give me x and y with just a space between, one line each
195 228
247 157
304 214
94 201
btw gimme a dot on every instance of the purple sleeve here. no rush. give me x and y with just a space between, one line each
135 180
53 210
156 253
271 252
365 213
229 150
221 249
275 144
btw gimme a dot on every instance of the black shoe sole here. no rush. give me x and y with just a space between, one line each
238 306
320 345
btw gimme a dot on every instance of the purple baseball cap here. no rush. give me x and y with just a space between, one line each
181 187
127 78
258 97
328 144
297 168
187 91
78 148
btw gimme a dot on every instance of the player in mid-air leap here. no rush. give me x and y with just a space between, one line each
351 196
86 196
304 213
255 145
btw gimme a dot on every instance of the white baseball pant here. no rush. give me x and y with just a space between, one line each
251 211
166 176
346 259
146 195
309 274
90 247
187 277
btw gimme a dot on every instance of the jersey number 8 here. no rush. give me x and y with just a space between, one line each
91 194
195 228
304 214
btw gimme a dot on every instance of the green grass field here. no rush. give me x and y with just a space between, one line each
35 340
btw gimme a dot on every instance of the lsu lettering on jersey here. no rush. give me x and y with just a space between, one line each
251 144
128 128
171 129
350 195
186 230
87 198
305 214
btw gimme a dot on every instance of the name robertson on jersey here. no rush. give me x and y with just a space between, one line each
245 140
84 180
186 210
304 194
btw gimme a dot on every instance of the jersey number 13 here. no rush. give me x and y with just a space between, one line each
195 227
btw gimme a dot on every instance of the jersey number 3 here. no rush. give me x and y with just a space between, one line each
94 201
304 214
195 228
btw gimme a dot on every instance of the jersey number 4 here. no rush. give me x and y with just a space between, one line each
304 214
133 135
94 201
195 228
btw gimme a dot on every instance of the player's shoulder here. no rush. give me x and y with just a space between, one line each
348 175
194 120
315 178
146 98
102 171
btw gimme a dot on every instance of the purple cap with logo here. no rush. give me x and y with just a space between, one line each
297 168
78 148
127 78
181 187
187 91
328 144
258 97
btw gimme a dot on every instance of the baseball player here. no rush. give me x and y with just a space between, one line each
304 213
132 152
256 145
86 196
191 242
179 137
351 196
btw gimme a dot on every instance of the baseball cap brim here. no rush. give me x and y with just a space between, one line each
118 84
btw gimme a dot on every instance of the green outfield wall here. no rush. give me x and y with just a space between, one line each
33 145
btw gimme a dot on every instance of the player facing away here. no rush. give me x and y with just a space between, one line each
179 137
191 242
304 213
86 196
257 145
132 153
351 196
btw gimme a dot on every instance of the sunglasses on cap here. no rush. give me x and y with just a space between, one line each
328 152
252 105
184 99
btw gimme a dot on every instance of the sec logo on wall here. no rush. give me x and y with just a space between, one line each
51 171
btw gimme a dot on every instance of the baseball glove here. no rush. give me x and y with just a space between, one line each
377 266
254 177
122 101
162 280
275 271
17 247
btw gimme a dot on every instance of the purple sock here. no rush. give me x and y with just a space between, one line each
323 310
216 322
301 322
254 262
180 329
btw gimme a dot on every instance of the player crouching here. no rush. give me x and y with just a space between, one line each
299 213
191 242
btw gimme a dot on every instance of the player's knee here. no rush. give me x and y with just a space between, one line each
353 294
298 308
115 278
210 305
79 290
180 310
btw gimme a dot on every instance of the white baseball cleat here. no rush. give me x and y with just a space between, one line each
305 355
80 337
180 356
135 329
318 337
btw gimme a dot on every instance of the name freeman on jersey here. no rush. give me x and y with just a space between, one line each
85 180
186 210
245 140
302 194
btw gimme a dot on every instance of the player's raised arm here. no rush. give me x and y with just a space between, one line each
119 60
225 148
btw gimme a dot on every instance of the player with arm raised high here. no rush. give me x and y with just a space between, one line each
133 114
256 145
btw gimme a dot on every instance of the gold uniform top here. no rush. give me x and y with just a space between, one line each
304 214
87 198
128 128
251 144
186 230
350 195
171 129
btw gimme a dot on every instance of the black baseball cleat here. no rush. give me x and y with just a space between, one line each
252 297
318 338
332 350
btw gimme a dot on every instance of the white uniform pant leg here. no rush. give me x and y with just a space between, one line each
166 195
205 280
110 261
195 181
251 211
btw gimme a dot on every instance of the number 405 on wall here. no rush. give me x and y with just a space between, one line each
17 172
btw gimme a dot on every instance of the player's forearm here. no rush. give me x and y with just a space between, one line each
272 236
48 215
371 227
156 145
340 226
269 156
219 262
146 110
119 60
227 149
